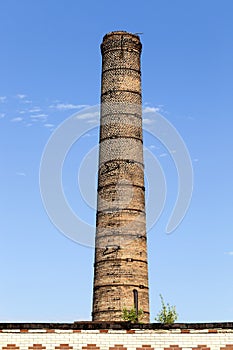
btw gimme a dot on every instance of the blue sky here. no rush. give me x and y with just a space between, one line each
50 66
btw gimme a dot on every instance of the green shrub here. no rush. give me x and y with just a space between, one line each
131 315
168 314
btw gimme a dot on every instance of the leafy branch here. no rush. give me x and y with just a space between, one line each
168 314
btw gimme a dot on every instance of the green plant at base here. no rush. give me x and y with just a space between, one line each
167 314
131 315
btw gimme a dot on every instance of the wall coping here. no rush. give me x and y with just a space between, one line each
88 325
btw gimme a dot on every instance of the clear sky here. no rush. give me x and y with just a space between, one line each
50 66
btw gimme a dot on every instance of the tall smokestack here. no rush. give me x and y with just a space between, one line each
121 247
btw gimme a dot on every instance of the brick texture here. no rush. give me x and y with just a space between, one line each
113 339
117 347
173 347
121 248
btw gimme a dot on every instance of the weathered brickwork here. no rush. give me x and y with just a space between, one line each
121 248
111 339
